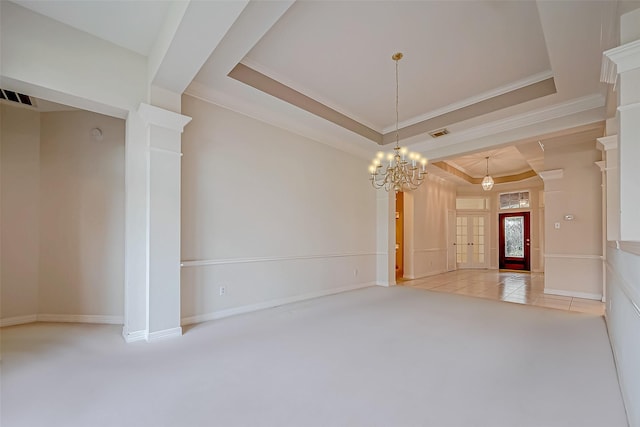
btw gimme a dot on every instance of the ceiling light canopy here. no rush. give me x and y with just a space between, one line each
400 173
487 182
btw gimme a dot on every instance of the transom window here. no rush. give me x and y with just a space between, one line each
477 203
514 200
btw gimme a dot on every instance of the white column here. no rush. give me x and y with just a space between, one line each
603 191
152 285
627 66
609 145
136 224
386 238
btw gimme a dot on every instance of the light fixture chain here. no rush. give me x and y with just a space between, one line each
397 103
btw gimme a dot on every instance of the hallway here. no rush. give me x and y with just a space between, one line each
508 286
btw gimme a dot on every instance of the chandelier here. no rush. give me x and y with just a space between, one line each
487 181
400 170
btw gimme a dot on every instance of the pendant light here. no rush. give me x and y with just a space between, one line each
487 182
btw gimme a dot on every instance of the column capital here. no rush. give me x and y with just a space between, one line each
625 57
607 143
153 115
551 174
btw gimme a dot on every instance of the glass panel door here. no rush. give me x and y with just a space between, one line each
515 241
470 241
514 237
461 241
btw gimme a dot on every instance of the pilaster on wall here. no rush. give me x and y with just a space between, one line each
152 278
136 238
385 238
626 59
623 253
611 182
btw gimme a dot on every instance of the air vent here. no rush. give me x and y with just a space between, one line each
12 96
438 133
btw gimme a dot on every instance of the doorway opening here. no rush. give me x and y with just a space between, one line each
515 241
399 235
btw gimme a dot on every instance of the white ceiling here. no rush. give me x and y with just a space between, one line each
457 53
332 51
501 161
132 24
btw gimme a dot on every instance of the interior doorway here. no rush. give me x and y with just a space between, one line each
514 241
399 235
470 240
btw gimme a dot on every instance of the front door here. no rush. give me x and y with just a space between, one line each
515 241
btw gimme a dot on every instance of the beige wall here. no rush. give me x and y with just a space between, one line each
573 264
426 227
62 217
20 153
269 215
81 215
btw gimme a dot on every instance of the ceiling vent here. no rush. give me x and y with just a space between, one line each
438 132
19 98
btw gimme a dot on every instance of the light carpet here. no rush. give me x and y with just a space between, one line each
373 357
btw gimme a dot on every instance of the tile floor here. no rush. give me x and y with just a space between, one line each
514 287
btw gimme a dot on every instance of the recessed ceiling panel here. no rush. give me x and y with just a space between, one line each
339 54
502 161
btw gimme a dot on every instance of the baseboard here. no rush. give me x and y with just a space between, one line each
574 294
62 318
18 320
165 333
270 304
80 318
130 337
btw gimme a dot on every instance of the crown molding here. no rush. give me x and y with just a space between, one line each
536 78
453 170
625 57
422 143
280 78
541 115
557 111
